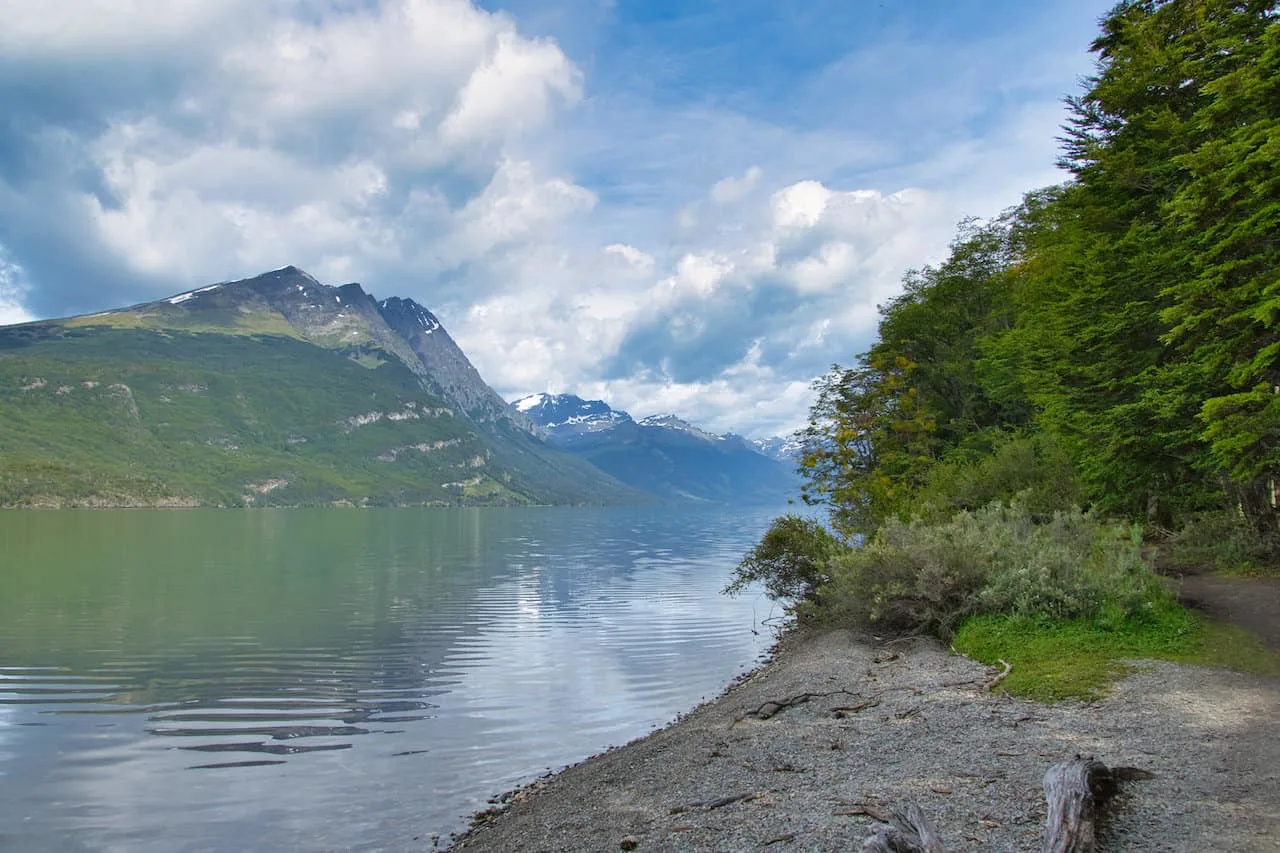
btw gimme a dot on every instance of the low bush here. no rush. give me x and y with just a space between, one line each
926 577
790 560
1223 541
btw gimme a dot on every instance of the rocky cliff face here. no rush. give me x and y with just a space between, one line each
446 364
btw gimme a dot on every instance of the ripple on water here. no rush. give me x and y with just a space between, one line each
373 686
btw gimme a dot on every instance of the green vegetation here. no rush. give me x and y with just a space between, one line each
791 559
1224 541
923 576
1054 660
1112 343
111 416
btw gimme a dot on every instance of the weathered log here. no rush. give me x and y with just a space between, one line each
909 832
1075 791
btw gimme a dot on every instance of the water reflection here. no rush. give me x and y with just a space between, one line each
329 679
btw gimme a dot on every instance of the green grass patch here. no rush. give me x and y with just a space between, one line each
1082 658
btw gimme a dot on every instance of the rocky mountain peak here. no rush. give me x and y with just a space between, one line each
408 311
550 411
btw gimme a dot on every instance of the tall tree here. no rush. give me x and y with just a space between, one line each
1113 259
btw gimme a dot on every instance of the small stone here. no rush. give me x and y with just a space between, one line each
630 842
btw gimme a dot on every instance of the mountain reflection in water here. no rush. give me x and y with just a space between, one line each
319 679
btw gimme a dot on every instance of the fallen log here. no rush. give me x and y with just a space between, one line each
909 831
1076 791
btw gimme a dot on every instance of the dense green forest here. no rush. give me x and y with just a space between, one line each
1104 358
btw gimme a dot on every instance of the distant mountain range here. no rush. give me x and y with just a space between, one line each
663 454
280 390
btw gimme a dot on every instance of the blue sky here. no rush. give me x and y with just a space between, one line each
689 207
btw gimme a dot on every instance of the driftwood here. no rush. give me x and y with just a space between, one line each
991 685
1075 790
908 832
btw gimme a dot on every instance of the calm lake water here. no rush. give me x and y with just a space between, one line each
340 679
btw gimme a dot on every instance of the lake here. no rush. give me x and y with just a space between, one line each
326 679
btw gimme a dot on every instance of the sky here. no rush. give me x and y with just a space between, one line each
689 207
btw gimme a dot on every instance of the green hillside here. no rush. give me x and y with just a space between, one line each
110 415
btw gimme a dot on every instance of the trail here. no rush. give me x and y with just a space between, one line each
1251 603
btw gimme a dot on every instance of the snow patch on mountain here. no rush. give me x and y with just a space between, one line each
680 425
183 297
784 448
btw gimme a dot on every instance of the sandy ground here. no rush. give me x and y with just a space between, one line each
837 725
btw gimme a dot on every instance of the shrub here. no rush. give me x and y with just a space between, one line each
928 577
790 560
1032 467
1224 541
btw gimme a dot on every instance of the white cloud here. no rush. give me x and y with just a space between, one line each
733 189
635 258
571 239
517 205
514 87
62 28
13 289
822 267
348 141
800 205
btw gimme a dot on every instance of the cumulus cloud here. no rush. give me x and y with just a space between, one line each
708 256
338 138
730 327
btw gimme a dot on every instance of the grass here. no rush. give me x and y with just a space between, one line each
1082 658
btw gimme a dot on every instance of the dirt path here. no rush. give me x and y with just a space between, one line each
1251 603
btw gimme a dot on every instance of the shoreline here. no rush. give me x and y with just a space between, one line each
800 752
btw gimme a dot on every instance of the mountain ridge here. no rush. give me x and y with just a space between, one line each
662 454
285 411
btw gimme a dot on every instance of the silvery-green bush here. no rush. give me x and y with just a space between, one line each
1001 559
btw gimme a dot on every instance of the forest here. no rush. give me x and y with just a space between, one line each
1089 381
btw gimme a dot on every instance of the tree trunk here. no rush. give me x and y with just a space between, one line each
910 832
1075 791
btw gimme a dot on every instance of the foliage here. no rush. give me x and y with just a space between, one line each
790 559
1113 341
923 576
1119 335
877 429
1080 658
1031 467
1224 541
1149 318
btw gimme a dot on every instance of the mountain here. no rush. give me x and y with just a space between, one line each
784 448
270 390
664 455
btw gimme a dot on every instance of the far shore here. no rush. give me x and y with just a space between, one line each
805 752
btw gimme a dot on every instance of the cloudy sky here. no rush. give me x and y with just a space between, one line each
674 206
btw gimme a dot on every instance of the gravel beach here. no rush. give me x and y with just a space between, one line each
835 726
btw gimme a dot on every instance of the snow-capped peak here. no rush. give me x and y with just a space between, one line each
550 411
784 448
524 404
678 424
